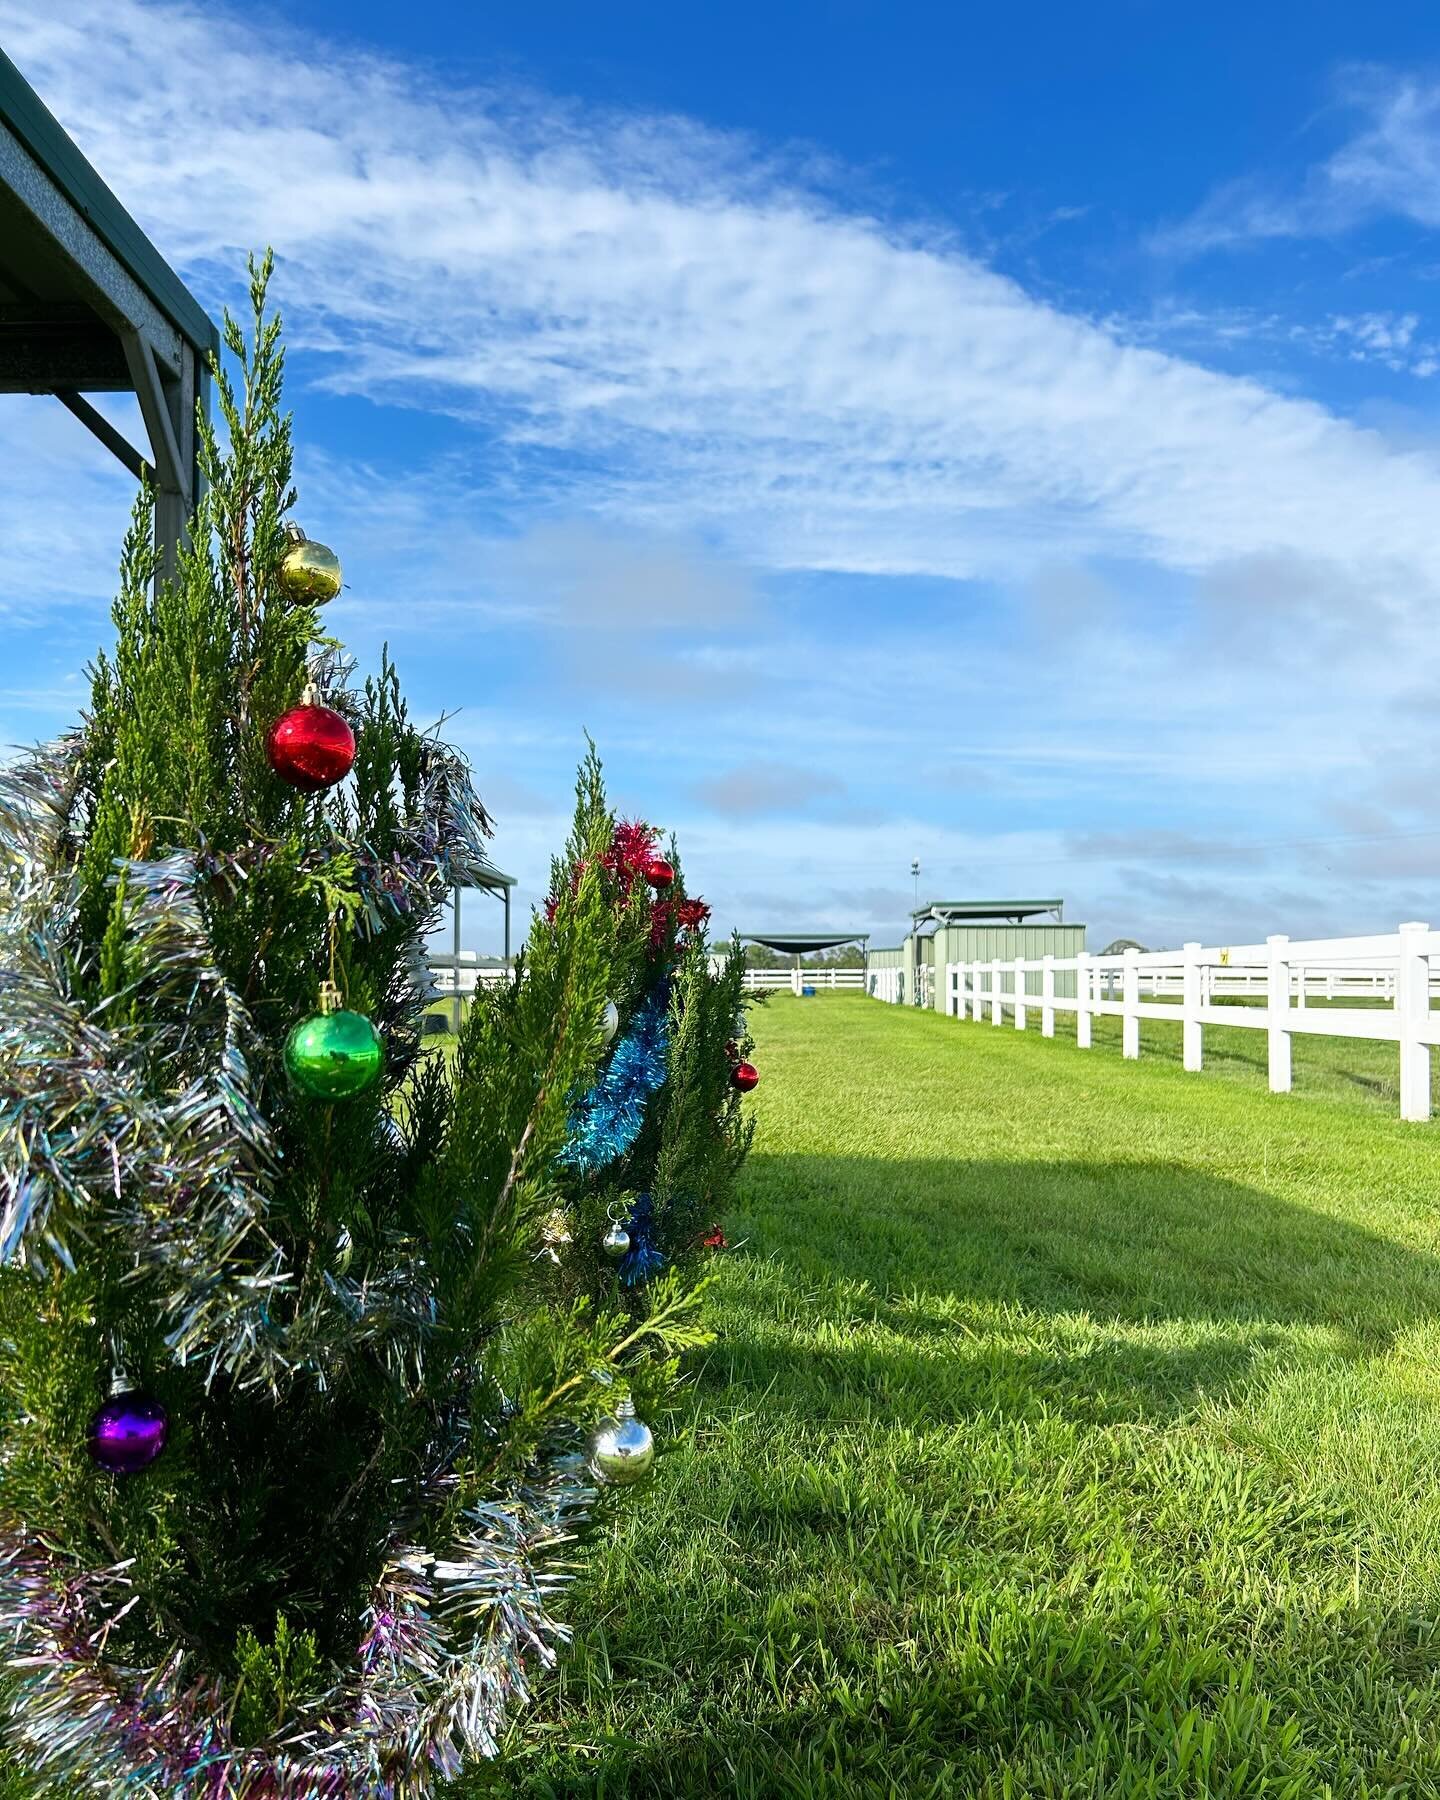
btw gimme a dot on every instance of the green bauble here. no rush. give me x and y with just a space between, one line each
334 1056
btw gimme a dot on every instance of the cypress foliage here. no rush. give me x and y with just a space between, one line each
332 1578
659 1144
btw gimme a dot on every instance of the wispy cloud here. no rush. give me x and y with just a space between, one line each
679 384
1390 164
757 788
717 347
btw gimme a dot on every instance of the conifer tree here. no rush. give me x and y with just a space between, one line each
294 1428
656 1143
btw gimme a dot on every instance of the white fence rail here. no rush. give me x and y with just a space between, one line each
766 980
889 984
1396 974
756 980
470 978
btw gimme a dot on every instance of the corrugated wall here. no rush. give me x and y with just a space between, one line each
884 959
983 943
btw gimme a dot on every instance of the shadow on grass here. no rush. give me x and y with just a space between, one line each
1137 1240
1109 1292
1324 1065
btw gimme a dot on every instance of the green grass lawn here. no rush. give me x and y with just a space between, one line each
1072 1430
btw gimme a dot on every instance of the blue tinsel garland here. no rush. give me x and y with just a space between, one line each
643 1257
605 1122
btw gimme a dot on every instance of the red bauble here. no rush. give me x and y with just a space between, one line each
745 1076
311 747
658 872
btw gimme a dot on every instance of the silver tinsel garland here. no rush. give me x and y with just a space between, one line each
146 1136
149 1136
441 1663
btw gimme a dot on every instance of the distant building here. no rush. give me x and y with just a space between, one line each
952 931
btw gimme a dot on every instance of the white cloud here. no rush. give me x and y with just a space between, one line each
820 390
1389 165
691 368
64 504
755 789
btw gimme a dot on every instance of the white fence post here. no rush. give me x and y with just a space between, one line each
1084 997
1278 1004
1047 996
1019 993
977 992
1412 1009
1130 1000
1191 1031
997 1012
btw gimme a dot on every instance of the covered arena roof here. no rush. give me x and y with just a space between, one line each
798 943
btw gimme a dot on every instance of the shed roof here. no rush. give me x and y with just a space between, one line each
1012 910
799 942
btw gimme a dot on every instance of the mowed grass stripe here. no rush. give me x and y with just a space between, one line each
1073 1430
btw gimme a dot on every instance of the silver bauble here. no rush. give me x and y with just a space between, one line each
609 1020
622 1449
616 1242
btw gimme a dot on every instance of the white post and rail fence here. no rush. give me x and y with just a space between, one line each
822 979
1362 987
470 976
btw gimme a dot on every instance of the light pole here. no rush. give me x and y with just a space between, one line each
915 873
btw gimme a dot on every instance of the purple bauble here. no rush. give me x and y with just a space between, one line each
128 1433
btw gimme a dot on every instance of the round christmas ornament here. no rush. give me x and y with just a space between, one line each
309 572
622 1449
335 1054
616 1241
129 1431
658 872
609 1020
745 1076
311 747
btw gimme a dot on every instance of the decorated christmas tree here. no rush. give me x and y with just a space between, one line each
655 1144
297 1434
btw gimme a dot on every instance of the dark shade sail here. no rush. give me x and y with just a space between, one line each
799 943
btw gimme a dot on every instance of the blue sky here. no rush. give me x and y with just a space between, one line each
1007 439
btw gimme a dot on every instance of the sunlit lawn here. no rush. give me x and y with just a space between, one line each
1072 1430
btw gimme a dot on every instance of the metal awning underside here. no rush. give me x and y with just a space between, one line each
89 305
798 943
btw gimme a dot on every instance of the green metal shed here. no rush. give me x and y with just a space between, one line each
951 931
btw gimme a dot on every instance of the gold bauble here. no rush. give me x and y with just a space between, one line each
309 572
